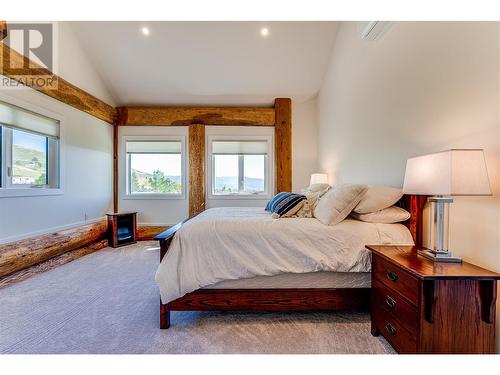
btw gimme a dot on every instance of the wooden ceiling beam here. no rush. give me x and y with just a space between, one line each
3 30
63 91
164 116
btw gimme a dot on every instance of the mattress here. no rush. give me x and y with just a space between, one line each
313 280
233 243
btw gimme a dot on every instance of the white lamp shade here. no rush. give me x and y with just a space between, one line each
452 172
319 178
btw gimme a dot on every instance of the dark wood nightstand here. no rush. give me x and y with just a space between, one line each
421 306
122 229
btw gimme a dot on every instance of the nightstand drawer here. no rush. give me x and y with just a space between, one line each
401 339
395 278
390 301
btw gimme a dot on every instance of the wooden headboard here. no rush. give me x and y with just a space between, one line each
414 204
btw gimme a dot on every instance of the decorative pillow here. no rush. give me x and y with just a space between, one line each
316 188
309 205
388 215
337 203
275 199
377 198
285 204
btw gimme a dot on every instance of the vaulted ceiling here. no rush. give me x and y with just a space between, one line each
208 63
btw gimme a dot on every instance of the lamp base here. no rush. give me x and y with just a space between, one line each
439 256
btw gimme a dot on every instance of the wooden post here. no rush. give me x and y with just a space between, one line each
115 168
283 144
196 169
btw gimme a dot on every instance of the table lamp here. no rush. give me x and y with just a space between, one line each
319 178
443 175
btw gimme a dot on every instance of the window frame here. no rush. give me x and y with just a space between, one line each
9 190
268 167
125 188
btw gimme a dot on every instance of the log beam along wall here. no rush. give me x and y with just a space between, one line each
52 263
148 232
22 254
3 30
15 66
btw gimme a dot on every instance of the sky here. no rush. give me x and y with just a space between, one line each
169 164
29 140
227 165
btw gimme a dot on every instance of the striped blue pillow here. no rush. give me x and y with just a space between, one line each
283 202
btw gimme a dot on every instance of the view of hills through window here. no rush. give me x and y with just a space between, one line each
29 158
244 174
156 173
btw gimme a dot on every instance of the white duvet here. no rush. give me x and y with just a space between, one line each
241 242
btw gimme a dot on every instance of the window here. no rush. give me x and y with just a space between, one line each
29 157
155 168
240 167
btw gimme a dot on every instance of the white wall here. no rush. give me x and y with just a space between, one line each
423 87
87 176
304 142
76 67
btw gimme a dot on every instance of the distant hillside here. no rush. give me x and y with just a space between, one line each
29 165
230 184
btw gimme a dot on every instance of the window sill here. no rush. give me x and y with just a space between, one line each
153 197
29 192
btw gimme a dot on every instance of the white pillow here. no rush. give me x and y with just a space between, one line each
377 198
338 202
388 215
316 188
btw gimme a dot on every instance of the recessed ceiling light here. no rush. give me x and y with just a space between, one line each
264 31
145 31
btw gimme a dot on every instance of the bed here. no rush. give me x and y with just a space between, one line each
242 259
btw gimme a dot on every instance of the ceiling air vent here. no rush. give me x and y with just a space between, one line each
373 30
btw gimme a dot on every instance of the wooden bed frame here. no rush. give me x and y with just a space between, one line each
303 299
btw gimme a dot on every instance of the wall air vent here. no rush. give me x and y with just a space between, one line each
373 30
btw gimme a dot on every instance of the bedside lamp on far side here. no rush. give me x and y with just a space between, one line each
319 178
443 175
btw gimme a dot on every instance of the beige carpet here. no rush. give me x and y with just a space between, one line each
107 302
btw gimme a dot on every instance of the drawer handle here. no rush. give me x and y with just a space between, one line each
390 302
390 328
392 276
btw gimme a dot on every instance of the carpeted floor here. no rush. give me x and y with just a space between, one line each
107 302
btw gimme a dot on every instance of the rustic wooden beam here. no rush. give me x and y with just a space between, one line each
283 144
196 169
148 232
16 66
51 263
22 254
250 116
3 30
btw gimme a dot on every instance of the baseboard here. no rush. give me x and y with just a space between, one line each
49 230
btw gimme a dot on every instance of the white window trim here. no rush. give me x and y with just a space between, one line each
269 167
124 194
8 192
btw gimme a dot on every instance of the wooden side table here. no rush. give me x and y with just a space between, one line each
421 306
122 228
